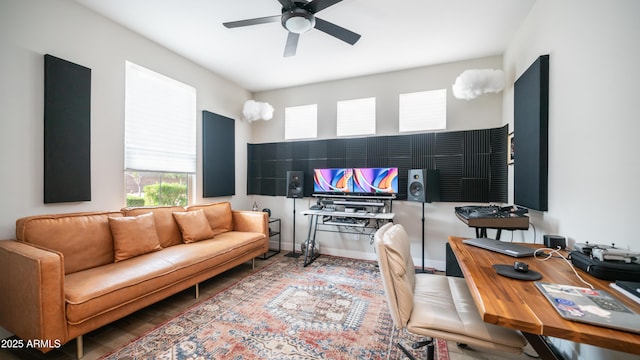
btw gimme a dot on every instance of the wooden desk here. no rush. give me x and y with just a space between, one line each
519 304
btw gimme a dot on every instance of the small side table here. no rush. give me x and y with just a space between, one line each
272 233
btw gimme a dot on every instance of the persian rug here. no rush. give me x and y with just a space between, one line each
333 309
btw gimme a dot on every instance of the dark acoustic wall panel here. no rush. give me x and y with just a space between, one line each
451 180
376 147
284 151
499 172
531 128
357 153
318 150
67 131
336 149
398 146
472 165
300 150
218 156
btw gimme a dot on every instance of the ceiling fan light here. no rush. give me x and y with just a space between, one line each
298 21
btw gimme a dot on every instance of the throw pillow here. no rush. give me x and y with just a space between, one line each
219 216
193 225
133 236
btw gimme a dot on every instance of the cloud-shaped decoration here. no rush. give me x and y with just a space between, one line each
473 83
255 110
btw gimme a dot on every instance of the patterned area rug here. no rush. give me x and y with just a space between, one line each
332 309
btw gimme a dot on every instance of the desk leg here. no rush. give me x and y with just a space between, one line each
542 347
309 251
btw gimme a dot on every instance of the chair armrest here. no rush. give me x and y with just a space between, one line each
251 221
32 292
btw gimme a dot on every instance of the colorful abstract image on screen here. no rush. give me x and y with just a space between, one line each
333 180
375 180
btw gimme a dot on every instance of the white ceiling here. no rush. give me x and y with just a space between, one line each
395 35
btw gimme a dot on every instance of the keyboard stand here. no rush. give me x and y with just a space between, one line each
365 222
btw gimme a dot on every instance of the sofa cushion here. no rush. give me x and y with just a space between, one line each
133 236
166 226
84 239
218 214
93 292
193 225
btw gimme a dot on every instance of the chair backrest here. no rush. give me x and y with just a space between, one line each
393 251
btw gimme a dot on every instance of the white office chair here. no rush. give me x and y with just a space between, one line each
434 306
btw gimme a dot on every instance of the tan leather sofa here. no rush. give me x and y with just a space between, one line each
68 274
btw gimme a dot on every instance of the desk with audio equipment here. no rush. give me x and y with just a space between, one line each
518 304
493 217
350 214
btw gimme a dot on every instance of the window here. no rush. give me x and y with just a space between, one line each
356 117
421 111
301 122
160 138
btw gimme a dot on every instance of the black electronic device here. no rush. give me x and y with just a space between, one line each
503 247
490 211
345 220
605 269
513 210
294 190
493 217
423 185
520 266
295 184
511 272
631 289
554 241
607 252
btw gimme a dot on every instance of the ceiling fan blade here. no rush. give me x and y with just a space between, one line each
287 4
318 5
339 32
256 21
292 44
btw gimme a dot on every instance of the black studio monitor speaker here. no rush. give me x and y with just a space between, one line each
295 184
423 185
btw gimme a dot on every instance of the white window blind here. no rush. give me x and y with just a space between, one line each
301 122
160 122
356 117
424 110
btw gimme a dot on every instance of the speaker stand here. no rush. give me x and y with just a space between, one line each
423 270
293 253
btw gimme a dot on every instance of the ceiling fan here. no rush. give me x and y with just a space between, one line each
299 17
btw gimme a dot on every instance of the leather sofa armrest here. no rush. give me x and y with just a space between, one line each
251 221
32 292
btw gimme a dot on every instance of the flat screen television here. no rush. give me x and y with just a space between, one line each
333 180
375 180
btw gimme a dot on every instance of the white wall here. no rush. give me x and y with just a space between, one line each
593 122
28 30
593 115
483 112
